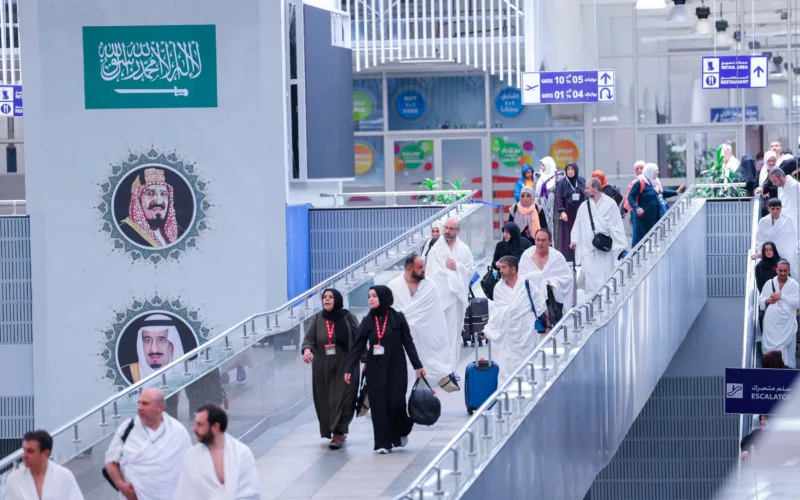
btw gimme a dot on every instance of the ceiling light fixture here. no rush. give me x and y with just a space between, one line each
651 4
703 25
679 11
723 38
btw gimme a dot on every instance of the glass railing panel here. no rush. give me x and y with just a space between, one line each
266 345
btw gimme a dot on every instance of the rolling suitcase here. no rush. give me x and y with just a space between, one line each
475 320
480 380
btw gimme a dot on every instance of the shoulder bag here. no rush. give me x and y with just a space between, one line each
123 438
541 321
601 241
488 283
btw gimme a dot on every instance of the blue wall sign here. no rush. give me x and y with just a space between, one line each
567 87
735 72
725 115
410 104
11 100
509 102
757 391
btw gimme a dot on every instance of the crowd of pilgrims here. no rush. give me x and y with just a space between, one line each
414 324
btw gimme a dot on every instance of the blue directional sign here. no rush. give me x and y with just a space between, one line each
757 391
10 100
731 115
568 87
735 72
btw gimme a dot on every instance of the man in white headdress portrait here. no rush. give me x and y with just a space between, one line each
158 343
151 220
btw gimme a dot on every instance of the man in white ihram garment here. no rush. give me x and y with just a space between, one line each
511 326
418 299
145 463
450 267
780 299
219 466
780 229
547 268
41 479
597 265
788 192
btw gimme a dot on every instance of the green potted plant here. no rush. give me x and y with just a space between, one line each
716 173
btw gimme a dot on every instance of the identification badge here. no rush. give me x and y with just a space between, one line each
330 349
576 197
377 350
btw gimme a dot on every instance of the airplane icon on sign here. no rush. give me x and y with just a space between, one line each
530 87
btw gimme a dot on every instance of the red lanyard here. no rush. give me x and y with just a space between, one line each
378 327
329 326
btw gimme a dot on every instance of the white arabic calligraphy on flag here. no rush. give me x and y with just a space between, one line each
150 61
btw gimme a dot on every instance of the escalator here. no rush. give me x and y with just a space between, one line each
561 416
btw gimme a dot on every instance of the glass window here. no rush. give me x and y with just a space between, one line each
615 23
462 164
615 154
369 165
510 152
623 109
427 103
367 105
670 91
668 151
706 144
508 111
413 164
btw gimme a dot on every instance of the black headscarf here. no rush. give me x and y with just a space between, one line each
577 182
766 268
385 300
338 306
747 169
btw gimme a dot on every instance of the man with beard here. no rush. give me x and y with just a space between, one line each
151 218
451 267
218 466
158 344
418 299
144 456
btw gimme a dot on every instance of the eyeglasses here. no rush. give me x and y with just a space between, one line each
448 228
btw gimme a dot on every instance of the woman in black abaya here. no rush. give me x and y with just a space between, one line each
389 338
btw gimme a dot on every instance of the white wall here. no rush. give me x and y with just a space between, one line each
80 279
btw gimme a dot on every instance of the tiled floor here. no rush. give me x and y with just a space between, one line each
295 463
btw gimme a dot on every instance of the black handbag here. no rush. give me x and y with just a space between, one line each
488 282
601 241
123 438
555 308
424 407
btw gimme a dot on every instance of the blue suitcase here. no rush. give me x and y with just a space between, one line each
480 380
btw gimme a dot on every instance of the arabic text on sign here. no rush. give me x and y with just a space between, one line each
150 61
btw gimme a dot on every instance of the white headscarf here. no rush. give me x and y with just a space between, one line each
548 175
764 173
649 173
158 321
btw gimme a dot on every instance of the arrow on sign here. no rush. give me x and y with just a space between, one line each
605 77
758 71
607 90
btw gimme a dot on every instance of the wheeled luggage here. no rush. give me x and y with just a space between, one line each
480 380
475 320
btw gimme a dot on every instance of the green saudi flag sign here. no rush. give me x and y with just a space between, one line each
150 66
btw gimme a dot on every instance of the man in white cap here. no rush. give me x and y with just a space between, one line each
158 344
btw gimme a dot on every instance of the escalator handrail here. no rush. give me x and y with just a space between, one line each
679 208
308 295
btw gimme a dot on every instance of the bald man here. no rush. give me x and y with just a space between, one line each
145 455
450 267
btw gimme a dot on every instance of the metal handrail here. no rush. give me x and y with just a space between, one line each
572 319
13 204
303 298
395 194
751 325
